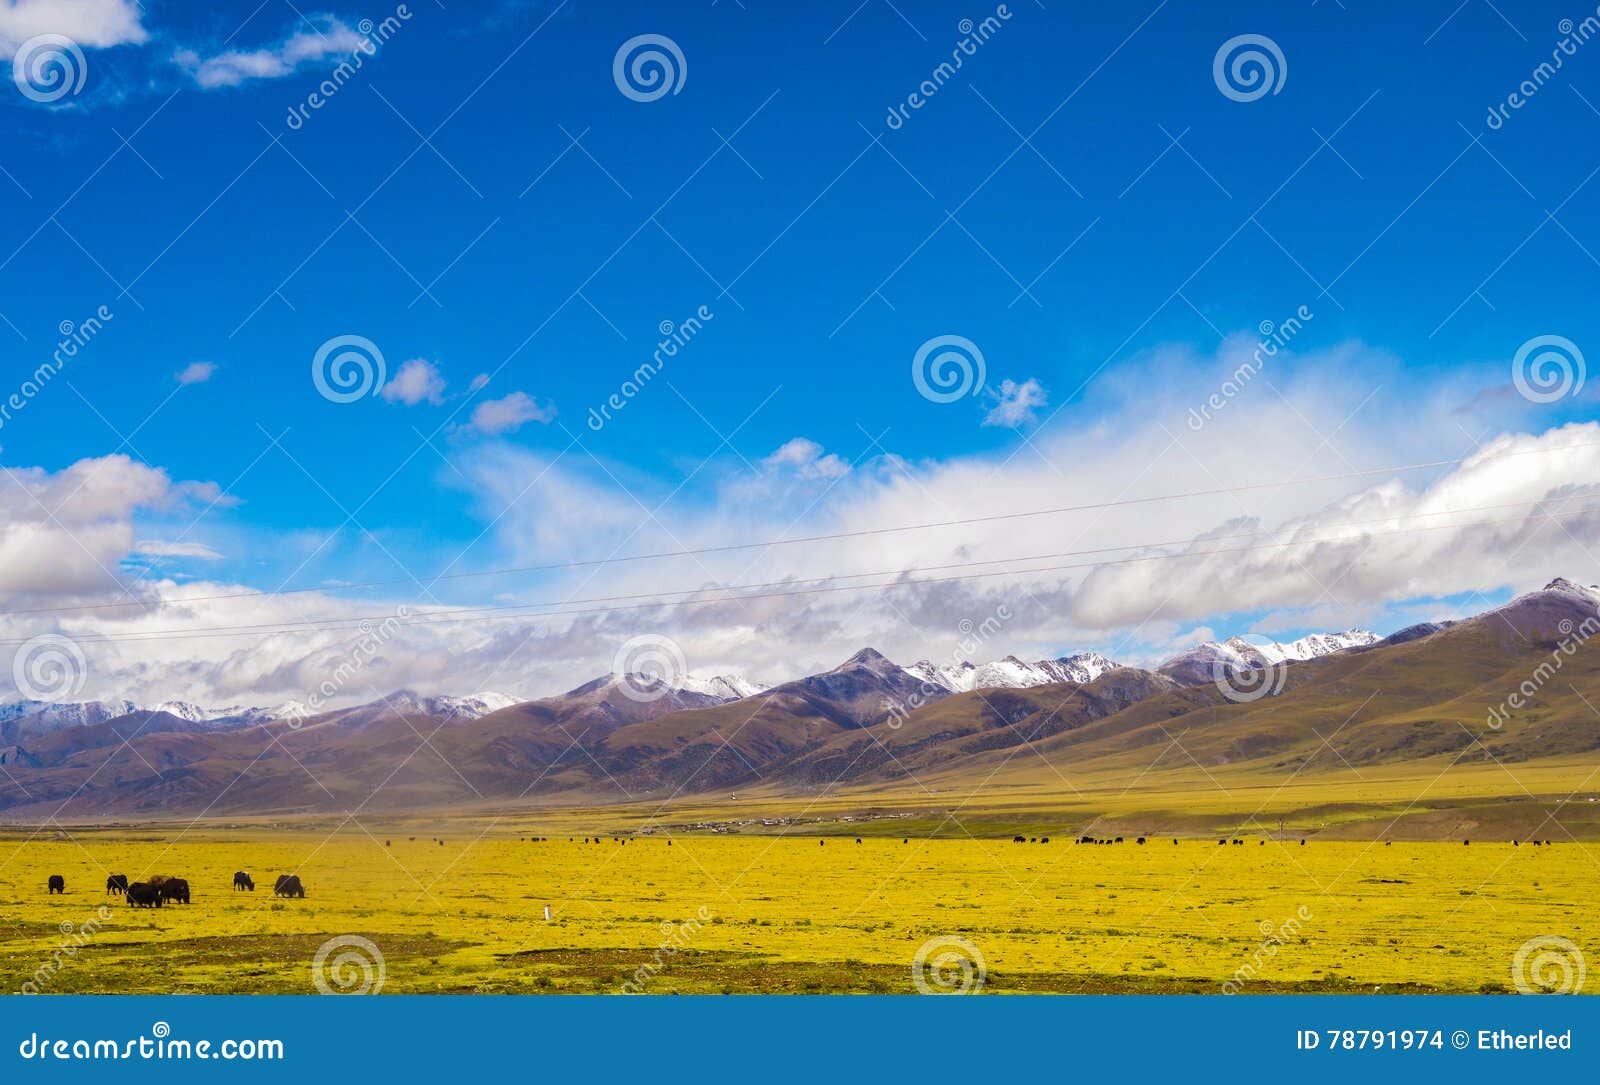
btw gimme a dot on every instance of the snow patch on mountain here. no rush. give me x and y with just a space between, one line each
1013 673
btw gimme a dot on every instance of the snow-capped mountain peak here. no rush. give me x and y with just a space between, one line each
1011 672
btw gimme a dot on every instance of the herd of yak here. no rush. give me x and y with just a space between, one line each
164 889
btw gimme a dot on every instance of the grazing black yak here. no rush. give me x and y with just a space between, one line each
57 884
143 895
289 886
175 889
241 880
116 883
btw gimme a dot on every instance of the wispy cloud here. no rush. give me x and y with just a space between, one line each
329 36
159 548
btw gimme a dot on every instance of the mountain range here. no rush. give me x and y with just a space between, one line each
868 725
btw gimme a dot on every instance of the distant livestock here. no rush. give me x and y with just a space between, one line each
1139 841
175 890
57 884
143 895
241 880
288 885
1019 840
116 883
1044 840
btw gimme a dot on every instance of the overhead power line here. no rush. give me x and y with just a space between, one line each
781 541
821 585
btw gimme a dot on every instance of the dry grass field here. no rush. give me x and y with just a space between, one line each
792 912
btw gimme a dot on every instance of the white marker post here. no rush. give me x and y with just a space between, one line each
547 913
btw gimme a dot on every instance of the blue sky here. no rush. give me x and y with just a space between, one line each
1079 199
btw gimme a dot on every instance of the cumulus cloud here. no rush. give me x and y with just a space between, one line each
1349 544
330 37
91 24
508 414
1015 403
417 381
196 373
807 459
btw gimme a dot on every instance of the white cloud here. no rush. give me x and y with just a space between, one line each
1354 550
508 414
1015 403
330 37
417 380
92 24
196 373
158 548
806 458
